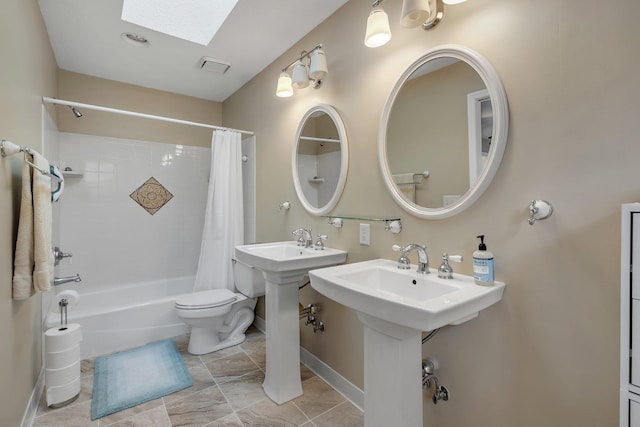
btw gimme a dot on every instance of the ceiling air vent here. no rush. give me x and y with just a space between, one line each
214 65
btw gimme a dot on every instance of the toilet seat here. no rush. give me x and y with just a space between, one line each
205 299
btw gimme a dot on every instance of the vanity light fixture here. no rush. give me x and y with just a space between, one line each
309 69
424 13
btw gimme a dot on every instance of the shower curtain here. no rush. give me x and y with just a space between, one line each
224 218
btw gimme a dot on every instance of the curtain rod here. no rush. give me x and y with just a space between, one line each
135 114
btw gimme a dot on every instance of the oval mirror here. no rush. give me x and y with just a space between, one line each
443 132
320 159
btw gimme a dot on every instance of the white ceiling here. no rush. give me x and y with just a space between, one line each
85 36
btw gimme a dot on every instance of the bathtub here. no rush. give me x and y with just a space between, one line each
126 316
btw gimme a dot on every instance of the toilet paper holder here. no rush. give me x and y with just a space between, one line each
64 304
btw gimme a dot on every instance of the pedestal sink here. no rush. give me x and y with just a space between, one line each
395 307
284 264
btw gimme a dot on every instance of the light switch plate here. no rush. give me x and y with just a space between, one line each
365 234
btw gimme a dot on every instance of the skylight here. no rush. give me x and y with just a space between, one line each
194 20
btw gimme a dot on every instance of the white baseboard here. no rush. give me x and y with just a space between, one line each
324 371
333 378
34 400
259 323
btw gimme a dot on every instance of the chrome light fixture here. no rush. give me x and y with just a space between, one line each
309 69
424 13
378 30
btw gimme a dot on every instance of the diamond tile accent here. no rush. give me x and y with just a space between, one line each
151 195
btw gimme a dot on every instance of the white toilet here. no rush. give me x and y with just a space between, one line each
220 317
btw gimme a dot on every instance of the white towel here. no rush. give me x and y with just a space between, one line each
33 261
42 215
23 260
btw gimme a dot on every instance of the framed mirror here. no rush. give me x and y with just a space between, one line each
443 132
320 159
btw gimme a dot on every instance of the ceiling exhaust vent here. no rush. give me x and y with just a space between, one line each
214 65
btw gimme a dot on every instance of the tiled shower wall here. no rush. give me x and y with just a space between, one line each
113 239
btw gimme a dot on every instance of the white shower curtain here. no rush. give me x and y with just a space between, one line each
224 219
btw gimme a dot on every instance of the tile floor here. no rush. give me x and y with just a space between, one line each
226 392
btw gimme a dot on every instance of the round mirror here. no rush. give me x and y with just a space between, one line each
320 159
443 132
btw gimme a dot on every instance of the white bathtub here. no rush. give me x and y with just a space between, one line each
123 317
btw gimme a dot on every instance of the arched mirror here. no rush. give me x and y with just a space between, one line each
320 159
443 132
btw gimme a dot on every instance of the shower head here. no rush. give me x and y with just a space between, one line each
76 112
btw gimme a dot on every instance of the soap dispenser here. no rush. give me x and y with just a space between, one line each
483 264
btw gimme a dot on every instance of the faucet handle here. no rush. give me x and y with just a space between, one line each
455 258
320 242
403 261
58 255
445 271
299 232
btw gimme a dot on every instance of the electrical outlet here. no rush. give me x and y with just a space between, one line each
365 234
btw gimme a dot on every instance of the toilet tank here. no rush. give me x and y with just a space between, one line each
249 280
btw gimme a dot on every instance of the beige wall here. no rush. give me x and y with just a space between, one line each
28 72
547 354
107 93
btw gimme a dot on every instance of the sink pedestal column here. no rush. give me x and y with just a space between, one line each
282 379
392 374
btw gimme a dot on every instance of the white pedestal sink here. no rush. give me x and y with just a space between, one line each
284 264
395 306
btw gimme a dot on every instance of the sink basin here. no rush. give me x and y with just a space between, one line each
424 302
287 256
395 306
284 265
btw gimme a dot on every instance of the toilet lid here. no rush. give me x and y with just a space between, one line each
206 299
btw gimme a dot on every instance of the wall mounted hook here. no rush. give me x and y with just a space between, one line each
284 206
539 210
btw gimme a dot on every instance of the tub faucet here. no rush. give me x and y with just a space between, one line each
62 280
304 237
423 258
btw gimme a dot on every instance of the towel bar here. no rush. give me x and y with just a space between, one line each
8 148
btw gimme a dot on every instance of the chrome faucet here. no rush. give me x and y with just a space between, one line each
305 238
423 258
62 280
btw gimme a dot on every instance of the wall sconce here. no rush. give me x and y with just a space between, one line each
308 70
425 13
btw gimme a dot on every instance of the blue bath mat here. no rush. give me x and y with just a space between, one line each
128 378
